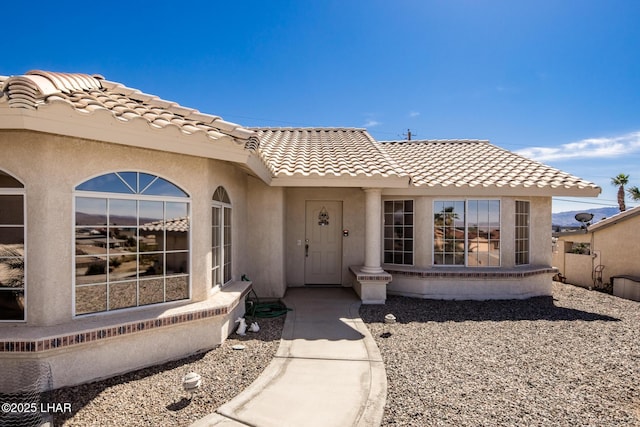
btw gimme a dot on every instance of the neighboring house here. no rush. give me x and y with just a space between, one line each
127 221
612 243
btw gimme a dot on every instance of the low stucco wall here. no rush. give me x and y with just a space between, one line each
578 269
467 287
84 353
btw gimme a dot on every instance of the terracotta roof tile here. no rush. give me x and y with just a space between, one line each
87 94
323 152
475 163
300 152
175 224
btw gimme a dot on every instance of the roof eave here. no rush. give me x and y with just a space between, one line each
62 119
495 190
615 219
340 181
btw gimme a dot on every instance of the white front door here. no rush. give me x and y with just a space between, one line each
323 243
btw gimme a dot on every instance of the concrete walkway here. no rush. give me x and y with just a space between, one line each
327 372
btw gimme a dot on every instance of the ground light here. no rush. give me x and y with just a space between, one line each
389 319
191 383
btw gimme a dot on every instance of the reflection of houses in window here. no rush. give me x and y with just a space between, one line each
132 242
175 232
467 233
484 248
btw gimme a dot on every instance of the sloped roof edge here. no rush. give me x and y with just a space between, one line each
476 163
615 219
87 93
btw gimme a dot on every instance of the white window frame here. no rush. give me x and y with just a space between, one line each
466 231
413 226
221 269
135 197
515 234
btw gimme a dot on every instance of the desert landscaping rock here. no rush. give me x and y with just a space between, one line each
573 359
567 361
155 396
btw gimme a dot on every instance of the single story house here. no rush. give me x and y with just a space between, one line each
128 221
605 252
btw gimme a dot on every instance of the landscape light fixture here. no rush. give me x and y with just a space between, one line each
191 383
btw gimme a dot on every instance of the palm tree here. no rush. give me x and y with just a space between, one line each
620 181
634 192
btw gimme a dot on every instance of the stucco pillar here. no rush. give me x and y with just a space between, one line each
372 237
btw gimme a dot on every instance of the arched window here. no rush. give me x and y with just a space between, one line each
132 234
12 253
221 238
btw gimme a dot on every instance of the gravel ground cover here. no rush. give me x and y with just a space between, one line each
154 396
570 360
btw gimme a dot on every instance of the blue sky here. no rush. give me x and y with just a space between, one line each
558 81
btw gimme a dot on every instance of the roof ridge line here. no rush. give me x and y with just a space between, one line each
404 141
312 128
402 172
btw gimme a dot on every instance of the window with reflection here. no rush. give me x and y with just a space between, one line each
12 254
398 232
220 238
466 233
132 233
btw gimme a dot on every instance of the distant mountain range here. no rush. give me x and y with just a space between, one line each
122 221
567 219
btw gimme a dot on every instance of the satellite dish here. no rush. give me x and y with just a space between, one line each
584 217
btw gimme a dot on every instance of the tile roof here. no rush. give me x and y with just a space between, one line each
87 93
290 153
475 164
175 224
324 152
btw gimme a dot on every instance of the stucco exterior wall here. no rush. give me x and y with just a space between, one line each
52 166
618 248
541 230
578 269
557 257
353 215
265 241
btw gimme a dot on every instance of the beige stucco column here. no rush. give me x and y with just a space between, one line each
372 237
